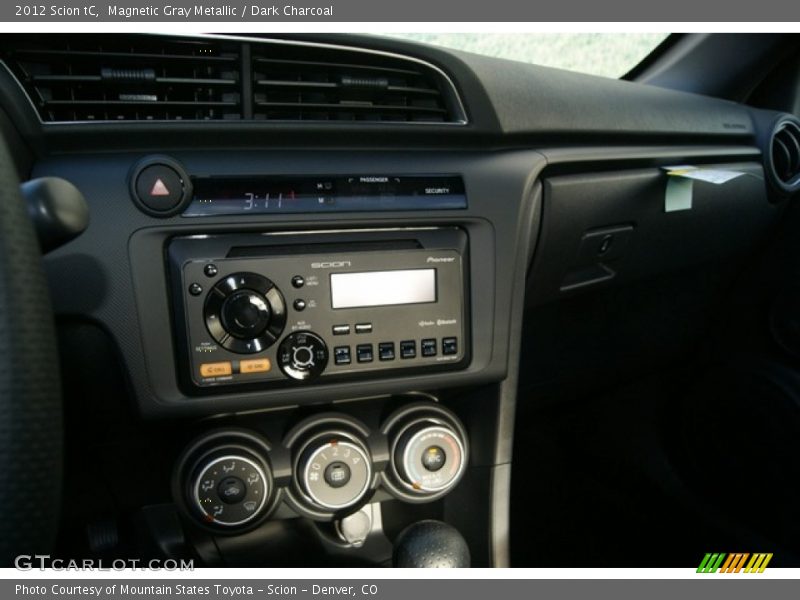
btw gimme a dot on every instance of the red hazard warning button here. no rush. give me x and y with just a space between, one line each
159 188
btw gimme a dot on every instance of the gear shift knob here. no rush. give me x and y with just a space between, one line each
430 545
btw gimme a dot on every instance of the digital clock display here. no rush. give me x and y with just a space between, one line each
263 195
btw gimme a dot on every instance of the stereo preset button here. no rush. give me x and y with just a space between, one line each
341 329
217 369
298 281
408 349
428 347
255 365
386 351
341 355
364 353
299 304
195 289
210 270
363 327
449 346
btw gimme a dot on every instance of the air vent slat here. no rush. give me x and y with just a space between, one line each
159 80
297 65
65 55
129 77
351 106
274 83
133 103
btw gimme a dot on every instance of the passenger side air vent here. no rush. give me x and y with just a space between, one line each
127 77
783 167
315 83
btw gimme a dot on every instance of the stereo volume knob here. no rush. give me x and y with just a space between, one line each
429 457
303 355
245 313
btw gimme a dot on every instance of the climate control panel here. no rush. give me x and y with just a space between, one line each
326 467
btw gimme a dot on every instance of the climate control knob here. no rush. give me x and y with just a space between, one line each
230 489
334 471
302 355
429 457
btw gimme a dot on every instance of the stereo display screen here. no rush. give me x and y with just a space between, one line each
383 288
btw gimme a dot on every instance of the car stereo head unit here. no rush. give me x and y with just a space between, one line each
280 308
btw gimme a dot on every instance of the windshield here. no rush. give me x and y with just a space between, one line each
606 54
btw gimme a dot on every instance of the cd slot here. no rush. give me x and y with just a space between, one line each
321 248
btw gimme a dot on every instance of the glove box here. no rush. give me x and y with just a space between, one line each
610 227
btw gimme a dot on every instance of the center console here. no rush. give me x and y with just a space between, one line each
325 361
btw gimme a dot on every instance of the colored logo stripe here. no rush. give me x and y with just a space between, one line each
734 563
758 563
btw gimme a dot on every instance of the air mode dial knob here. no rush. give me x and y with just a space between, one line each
230 489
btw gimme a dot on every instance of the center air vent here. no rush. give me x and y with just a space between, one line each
140 77
127 77
784 155
315 83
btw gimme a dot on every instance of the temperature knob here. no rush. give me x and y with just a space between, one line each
429 457
302 355
334 471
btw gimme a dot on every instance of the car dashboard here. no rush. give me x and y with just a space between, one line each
294 323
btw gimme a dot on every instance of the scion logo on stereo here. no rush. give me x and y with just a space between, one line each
334 264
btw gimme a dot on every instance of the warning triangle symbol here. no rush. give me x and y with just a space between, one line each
159 189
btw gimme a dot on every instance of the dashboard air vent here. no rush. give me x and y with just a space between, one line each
317 83
127 77
785 155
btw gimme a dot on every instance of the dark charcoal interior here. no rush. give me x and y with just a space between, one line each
533 351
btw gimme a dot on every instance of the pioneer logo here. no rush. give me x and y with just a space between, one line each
441 259
333 264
